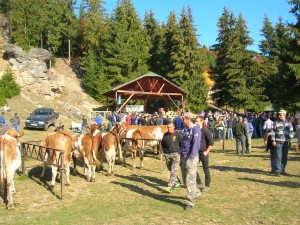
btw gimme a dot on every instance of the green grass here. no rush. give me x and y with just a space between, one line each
243 191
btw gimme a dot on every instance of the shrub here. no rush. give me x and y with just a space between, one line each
8 87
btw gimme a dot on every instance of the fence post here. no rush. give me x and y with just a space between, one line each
224 138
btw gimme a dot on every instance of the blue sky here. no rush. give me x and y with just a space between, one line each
207 12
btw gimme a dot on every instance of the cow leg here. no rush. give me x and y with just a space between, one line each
87 169
10 204
44 166
113 163
74 164
108 159
68 173
93 179
101 163
133 158
54 174
89 174
124 157
141 158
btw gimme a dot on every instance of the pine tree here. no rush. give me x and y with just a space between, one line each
237 58
282 79
186 61
8 87
70 32
225 37
94 26
126 51
294 63
156 45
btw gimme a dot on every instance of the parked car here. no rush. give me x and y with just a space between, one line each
41 118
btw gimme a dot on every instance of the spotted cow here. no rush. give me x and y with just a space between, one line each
10 158
60 140
86 146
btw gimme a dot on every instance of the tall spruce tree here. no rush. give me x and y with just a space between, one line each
186 61
239 81
237 59
225 37
70 32
157 51
282 79
94 26
126 51
294 63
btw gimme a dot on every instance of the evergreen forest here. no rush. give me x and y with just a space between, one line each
118 47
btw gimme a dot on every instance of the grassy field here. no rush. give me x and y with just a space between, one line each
243 191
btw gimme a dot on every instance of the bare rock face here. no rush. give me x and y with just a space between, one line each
32 70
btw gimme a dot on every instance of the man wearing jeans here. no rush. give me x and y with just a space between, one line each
281 136
189 158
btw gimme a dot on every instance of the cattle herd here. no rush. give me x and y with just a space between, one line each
89 147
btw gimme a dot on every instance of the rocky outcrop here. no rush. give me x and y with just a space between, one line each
32 70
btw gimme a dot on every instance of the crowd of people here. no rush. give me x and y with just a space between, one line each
184 146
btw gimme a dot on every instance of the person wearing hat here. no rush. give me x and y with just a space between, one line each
281 137
189 158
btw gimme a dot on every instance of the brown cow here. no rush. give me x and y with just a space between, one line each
110 145
134 142
10 158
86 146
163 128
58 140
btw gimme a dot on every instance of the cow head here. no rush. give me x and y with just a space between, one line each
93 127
157 133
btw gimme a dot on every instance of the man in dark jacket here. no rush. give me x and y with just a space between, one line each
207 142
171 144
240 132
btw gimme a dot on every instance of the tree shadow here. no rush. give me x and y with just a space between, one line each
240 169
152 182
34 174
289 184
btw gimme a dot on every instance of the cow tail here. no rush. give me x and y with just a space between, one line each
143 141
95 159
119 147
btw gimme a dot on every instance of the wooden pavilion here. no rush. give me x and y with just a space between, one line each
148 86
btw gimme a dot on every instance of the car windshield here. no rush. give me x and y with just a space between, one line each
40 113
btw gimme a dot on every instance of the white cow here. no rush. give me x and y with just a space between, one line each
10 158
